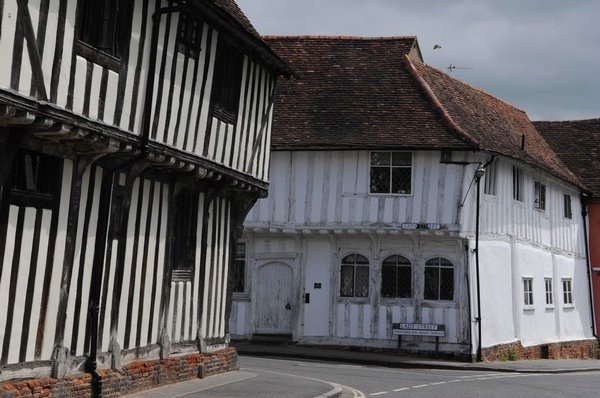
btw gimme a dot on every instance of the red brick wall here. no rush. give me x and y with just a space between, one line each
594 245
582 349
134 377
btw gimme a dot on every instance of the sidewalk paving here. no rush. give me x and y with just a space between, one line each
407 361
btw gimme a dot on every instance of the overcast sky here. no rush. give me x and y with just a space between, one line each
541 55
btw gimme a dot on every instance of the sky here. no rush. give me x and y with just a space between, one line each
542 56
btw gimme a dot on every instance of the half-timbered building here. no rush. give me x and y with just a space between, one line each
134 137
577 143
408 208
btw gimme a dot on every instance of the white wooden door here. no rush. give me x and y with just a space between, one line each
274 299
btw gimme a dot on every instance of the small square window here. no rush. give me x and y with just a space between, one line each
35 180
528 292
539 196
567 292
568 211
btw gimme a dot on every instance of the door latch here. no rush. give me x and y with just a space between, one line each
288 306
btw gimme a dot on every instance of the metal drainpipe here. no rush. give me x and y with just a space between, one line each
584 213
478 174
477 268
94 307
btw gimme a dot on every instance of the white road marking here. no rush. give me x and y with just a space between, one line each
438 383
402 389
355 392
421 386
378 393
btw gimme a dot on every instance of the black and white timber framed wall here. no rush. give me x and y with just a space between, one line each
127 165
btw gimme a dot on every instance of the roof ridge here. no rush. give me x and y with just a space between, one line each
437 105
481 90
338 37
596 119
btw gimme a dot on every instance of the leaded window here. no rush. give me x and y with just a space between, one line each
439 279
189 34
35 179
568 211
227 81
396 277
391 172
239 268
517 184
354 276
99 24
491 175
539 196
186 219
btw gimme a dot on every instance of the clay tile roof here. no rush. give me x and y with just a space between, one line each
353 92
231 8
494 125
577 143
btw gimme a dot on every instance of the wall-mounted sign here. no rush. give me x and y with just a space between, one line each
317 285
418 329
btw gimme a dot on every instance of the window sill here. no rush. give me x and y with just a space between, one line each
241 296
353 300
98 57
403 301
389 194
438 304
549 308
568 306
528 308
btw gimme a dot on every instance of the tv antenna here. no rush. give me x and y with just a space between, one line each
451 67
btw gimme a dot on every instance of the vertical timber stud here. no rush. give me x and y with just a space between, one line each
208 197
164 336
61 353
104 212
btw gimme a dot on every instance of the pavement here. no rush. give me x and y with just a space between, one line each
382 358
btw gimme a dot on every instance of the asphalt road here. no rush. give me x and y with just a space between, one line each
288 378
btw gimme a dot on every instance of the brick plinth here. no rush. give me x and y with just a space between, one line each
136 376
581 349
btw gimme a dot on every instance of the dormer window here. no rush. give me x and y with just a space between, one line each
227 81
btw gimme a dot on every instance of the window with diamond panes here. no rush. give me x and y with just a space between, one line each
354 278
239 268
396 277
391 172
189 34
439 279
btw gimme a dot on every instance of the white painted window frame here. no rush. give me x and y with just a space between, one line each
549 289
412 176
354 298
245 295
567 290
528 301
